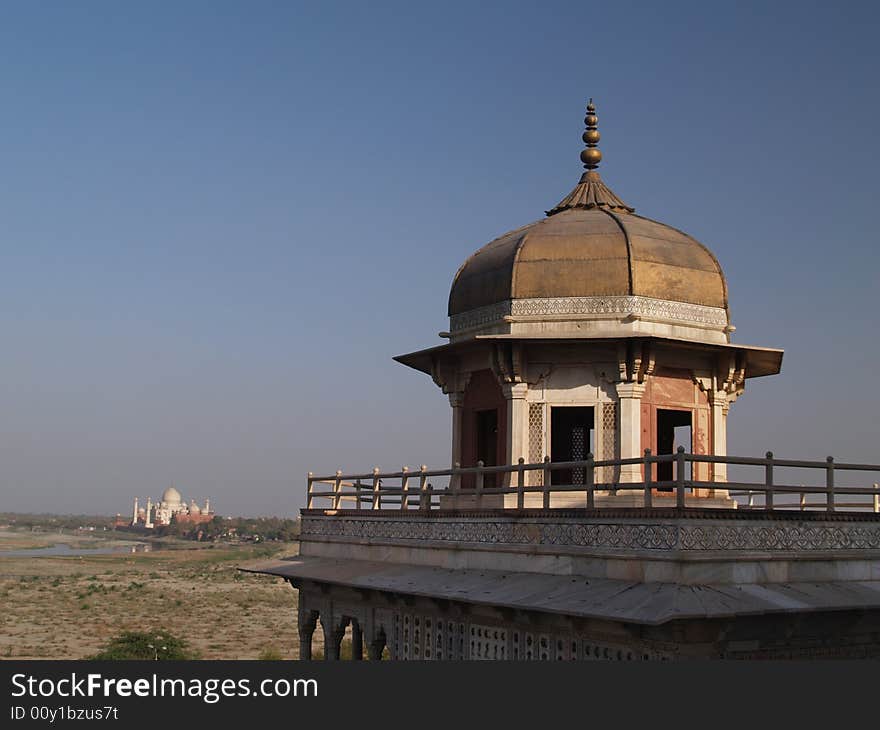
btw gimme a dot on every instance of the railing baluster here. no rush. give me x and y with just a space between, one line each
478 492
547 472
768 481
520 484
649 502
357 495
424 497
829 483
803 501
455 483
591 481
876 498
679 478
377 494
309 490
404 487
337 490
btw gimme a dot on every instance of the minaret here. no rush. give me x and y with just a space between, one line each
208 504
148 522
134 513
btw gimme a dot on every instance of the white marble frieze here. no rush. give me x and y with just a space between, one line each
734 535
612 306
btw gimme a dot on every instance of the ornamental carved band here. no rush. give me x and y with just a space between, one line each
647 307
767 536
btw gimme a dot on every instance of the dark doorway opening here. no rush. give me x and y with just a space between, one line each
487 443
673 430
571 439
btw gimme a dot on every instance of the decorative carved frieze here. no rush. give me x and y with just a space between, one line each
780 536
612 306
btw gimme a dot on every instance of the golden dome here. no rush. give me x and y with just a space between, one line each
593 257
590 252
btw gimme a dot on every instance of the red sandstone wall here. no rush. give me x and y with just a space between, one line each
483 393
674 389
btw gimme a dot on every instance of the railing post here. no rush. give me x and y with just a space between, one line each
309 490
520 483
357 495
337 490
377 494
679 478
649 501
829 483
768 481
803 501
591 481
547 473
455 483
478 492
404 487
876 497
424 497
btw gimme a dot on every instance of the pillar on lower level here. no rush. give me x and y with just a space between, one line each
375 648
357 641
333 634
306 622
630 416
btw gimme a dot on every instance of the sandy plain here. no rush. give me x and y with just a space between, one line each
67 607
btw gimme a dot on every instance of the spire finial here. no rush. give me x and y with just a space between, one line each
591 192
591 156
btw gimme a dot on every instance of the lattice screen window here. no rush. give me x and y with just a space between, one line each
609 441
488 642
578 452
536 442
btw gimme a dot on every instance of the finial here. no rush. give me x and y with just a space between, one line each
591 192
591 156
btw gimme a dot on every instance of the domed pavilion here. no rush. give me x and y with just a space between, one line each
594 329
576 345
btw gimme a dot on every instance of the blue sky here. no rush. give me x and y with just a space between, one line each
219 221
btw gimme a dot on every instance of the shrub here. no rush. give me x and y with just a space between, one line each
158 644
270 655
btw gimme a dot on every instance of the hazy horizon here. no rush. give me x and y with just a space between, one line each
222 220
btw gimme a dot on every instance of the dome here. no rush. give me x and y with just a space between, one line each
171 496
590 252
195 509
594 262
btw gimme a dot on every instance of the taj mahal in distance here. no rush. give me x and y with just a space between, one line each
161 512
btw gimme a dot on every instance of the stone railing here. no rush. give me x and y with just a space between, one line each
506 486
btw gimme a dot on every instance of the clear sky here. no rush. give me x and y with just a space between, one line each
220 220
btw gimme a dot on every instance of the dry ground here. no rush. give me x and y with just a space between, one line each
67 607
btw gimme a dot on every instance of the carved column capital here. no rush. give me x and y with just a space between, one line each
456 398
630 390
516 391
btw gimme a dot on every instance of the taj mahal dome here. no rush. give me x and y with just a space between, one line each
170 507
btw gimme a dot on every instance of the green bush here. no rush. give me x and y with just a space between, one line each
157 644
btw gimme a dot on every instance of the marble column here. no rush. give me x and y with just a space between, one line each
720 406
630 417
517 421
456 400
